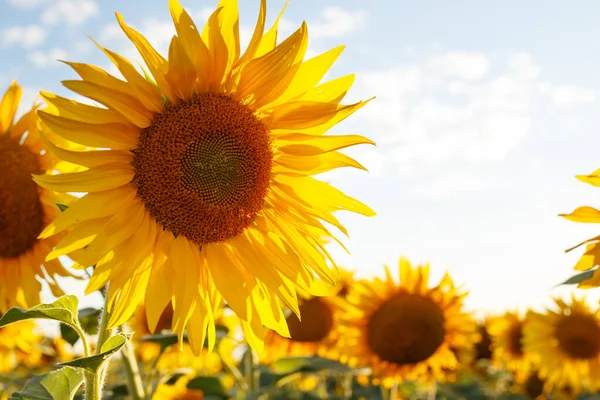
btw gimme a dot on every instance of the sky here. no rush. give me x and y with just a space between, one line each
483 114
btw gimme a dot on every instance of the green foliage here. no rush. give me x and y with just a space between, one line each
110 347
88 319
210 386
290 365
61 384
578 278
168 339
61 207
64 309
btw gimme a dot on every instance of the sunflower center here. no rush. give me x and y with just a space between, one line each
579 336
534 386
203 166
21 212
484 347
515 335
317 321
406 329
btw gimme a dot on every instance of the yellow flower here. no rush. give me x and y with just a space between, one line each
407 331
19 346
316 334
175 357
567 342
205 185
26 209
507 344
591 256
177 391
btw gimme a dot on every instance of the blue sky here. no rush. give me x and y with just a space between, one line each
484 113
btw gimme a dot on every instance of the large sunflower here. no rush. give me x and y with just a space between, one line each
506 332
25 208
407 331
567 342
205 185
317 333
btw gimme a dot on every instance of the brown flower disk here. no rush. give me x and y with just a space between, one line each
21 212
203 167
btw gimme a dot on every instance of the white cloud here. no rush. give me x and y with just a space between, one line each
461 64
27 36
567 95
337 22
27 4
448 185
442 109
44 59
72 12
111 32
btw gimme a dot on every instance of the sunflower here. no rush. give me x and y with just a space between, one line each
406 331
591 256
317 333
507 344
26 209
567 342
204 185
19 346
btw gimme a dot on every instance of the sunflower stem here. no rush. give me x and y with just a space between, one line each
250 371
132 369
94 381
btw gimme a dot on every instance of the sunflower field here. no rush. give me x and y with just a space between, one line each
186 193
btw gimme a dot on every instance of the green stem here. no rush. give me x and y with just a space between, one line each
250 371
233 370
134 379
94 381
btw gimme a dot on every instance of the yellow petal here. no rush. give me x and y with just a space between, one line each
300 144
195 48
266 78
310 74
77 238
230 30
156 63
90 159
108 176
91 206
72 109
256 36
218 51
312 165
143 90
9 106
182 72
160 285
593 179
107 135
228 279
583 214
126 105
269 40
313 117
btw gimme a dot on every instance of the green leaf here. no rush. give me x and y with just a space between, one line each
61 384
582 276
110 347
64 309
88 319
210 386
61 207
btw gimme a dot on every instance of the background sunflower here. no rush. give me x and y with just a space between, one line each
26 209
407 331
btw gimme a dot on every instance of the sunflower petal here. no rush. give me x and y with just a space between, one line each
105 177
9 106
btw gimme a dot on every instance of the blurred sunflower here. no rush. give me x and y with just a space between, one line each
174 357
506 332
316 334
567 342
19 347
586 214
205 187
26 208
407 331
177 391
